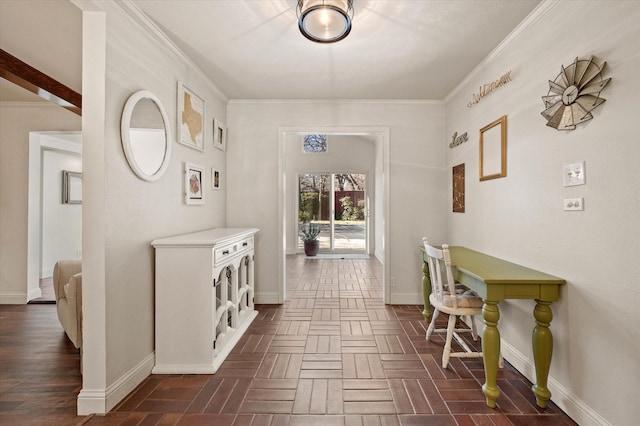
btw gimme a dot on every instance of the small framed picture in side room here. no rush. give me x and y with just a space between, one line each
191 113
458 188
193 178
219 134
71 187
215 179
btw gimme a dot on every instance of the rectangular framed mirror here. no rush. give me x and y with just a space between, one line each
493 149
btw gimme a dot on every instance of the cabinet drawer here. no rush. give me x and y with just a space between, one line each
230 250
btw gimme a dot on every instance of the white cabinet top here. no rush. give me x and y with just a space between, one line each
207 238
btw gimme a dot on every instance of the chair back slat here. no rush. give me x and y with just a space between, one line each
439 260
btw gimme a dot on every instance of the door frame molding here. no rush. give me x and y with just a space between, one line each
38 143
382 149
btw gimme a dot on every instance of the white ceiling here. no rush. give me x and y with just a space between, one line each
252 49
397 49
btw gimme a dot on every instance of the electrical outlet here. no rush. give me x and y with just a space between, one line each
573 204
78 253
392 281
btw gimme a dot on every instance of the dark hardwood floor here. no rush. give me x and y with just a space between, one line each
333 354
39 368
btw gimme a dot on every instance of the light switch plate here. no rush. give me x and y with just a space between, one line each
573 204
574 174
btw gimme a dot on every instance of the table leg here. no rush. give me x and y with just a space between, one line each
426 290
491 351
542 351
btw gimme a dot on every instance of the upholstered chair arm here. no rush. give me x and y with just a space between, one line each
62 272
73 294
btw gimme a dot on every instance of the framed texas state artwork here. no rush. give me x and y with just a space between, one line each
191 113
193 179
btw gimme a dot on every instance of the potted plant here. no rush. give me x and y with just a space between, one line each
309 233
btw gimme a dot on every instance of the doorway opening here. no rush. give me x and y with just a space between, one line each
54 229
338 204
346 151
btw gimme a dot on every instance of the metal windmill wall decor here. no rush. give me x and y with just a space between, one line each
574 94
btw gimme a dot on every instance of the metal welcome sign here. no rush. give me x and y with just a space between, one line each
488 88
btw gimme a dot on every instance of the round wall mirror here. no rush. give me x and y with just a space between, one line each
145 135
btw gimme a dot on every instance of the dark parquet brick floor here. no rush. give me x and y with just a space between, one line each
333 354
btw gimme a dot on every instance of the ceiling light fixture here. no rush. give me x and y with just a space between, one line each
325 21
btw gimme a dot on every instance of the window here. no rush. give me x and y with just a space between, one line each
314 143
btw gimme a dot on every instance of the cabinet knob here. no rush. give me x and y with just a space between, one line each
225 252
245 244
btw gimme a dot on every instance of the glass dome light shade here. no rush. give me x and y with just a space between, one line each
325 21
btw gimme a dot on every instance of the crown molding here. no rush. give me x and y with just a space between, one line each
338 101
28 104
542 9
165 42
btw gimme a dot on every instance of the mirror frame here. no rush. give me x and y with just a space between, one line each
125 124
496 156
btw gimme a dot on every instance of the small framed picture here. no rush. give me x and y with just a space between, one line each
215 179
193 177
191 110
458 188
219 134
71 187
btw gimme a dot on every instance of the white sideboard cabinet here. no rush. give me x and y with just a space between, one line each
204 298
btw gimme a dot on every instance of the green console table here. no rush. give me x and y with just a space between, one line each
495 280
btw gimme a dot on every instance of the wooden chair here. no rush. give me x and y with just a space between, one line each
451 298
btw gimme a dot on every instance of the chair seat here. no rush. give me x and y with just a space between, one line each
467 299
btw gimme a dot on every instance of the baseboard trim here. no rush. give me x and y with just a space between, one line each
34 294
101 401
92 401
266 298
573 406
13 298
184 369
406 298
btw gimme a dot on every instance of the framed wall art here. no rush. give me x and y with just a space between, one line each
71 187
458 188
493 149
193 178
215 179
191 113
219 134
574 93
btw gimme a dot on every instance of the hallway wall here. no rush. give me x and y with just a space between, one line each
416 163
520 217
124 53
61 223
53 46
16 121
